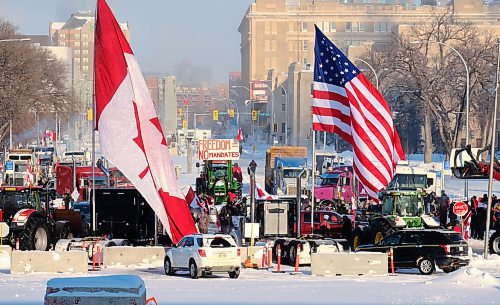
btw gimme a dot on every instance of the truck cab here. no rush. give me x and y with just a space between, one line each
336 186
286 171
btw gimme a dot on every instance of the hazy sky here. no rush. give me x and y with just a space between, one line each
163 32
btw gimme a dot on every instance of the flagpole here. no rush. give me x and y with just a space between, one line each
313 179
492 159
94 221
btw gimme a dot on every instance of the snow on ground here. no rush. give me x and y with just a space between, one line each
466 286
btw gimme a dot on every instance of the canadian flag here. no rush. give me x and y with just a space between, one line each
129 130
29 175
193 200
262 194
239 136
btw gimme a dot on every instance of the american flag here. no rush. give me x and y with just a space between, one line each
346 103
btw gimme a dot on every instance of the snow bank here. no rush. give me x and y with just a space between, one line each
469 276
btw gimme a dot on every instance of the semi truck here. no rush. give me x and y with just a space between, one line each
279 152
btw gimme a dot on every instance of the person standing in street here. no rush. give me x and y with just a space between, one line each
443 202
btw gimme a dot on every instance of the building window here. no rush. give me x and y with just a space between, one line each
333 27
62 36
274 45
85 52
283 127
283 107
85 68
304 26
355 27
305 45
361 26
77 59
324 26
85 59
77 44
77 52
348 26
86 36
305 61
62 43
267 45
85 43
77 36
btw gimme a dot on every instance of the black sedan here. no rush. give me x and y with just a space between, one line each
424 249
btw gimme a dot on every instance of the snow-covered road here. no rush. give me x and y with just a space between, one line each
465 286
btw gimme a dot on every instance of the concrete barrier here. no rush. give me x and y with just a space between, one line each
49 262
256 254
5 254
133 256
115 289
349 263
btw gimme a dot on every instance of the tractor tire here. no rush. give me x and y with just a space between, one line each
35 236
357 239
494 245
378 235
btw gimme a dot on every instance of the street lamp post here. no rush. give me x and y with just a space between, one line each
371 67
251 119
272 112
286 110
466 192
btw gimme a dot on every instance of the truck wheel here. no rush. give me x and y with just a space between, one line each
425 266
292 254
495 243
35 236
66 233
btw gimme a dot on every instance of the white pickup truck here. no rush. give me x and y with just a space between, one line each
204 254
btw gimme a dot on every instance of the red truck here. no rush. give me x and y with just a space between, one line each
335 222
81 178
337 186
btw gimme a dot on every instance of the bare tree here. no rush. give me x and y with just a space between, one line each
31 80
435 77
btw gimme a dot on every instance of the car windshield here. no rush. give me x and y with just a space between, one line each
405 205
219 170
329 181
408 181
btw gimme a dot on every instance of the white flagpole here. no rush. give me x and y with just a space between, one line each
313 178
492 159
94 222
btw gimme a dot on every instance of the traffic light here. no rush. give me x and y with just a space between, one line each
231 112
90 115
215 115
275 127
184 124
254 115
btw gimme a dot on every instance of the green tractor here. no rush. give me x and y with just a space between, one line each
402 206
218 178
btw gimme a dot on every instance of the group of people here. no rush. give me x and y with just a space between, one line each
442 207
232 208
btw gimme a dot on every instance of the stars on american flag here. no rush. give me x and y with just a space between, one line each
332 66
